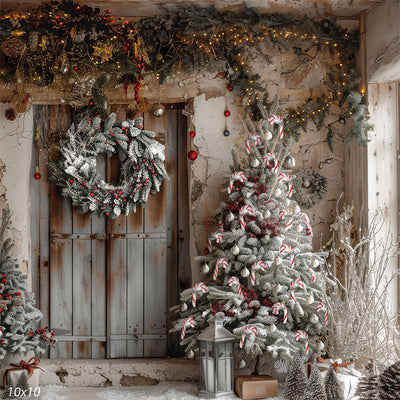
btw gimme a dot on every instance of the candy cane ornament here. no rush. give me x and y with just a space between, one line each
324 307
290 189
284 213
274 119
187 323
280 306
289 224
255 138
297 283
312 274
245 210
221 261
198 287
256 266
249 329
303 335
236 176
286 247
271 157
217 236
283 176
234 281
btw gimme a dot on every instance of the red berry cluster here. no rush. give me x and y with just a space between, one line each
217 307
235 205
253 178
44 334
261 188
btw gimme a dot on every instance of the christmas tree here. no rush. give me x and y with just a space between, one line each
296 381
316 388
265 281
19 319
332 387
367 388
389 383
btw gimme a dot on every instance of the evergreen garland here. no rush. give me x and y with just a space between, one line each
61 39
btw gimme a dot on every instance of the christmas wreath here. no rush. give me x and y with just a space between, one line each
142 165
308 187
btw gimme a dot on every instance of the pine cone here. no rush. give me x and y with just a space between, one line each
13 47
10 114
78 96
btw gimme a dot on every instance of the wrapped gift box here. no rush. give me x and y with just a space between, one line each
256 387
12 377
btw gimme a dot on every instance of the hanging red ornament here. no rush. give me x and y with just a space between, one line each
192 133
36 175
230 88
192 155
227 113
206 251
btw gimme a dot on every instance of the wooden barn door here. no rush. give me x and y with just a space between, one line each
106 285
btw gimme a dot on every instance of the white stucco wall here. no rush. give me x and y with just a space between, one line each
16 155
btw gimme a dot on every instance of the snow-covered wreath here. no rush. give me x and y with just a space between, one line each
308 187
141 173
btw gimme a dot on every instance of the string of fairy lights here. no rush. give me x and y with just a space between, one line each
116 42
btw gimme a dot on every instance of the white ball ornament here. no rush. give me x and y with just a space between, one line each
310 299
183 307
314 319
266 214
272 328
205 269
299 228
248 195
278 260
278 192
277 288
190 354
229 217
235 250
268 136
245 272
288 202
296 209
242 364
275 354
314 263
255 163
320 345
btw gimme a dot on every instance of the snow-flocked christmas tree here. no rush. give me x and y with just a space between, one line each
19 319
261 276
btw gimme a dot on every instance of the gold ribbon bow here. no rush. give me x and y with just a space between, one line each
335 364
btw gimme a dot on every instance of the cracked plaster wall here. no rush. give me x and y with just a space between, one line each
15 164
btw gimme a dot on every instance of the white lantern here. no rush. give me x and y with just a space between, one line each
216 361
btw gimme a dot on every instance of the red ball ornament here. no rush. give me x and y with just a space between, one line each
192 155
192 133
36 175
227 113
230 88
206 251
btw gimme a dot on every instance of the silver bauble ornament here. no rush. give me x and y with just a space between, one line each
275 354
289 162
278 192
183 307
296 209
299 228
245 272
277 288
314 319
158 110
248 195
287 202
320 345
205 269
272 328
266 214
306 184
255 163
268 136
229 217
314 263
278 260
190 354
310 299
235 250
242 364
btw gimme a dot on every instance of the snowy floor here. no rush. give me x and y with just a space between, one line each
162 391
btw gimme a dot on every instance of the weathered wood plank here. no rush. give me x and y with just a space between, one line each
82 288
99 273
155 296
135 296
